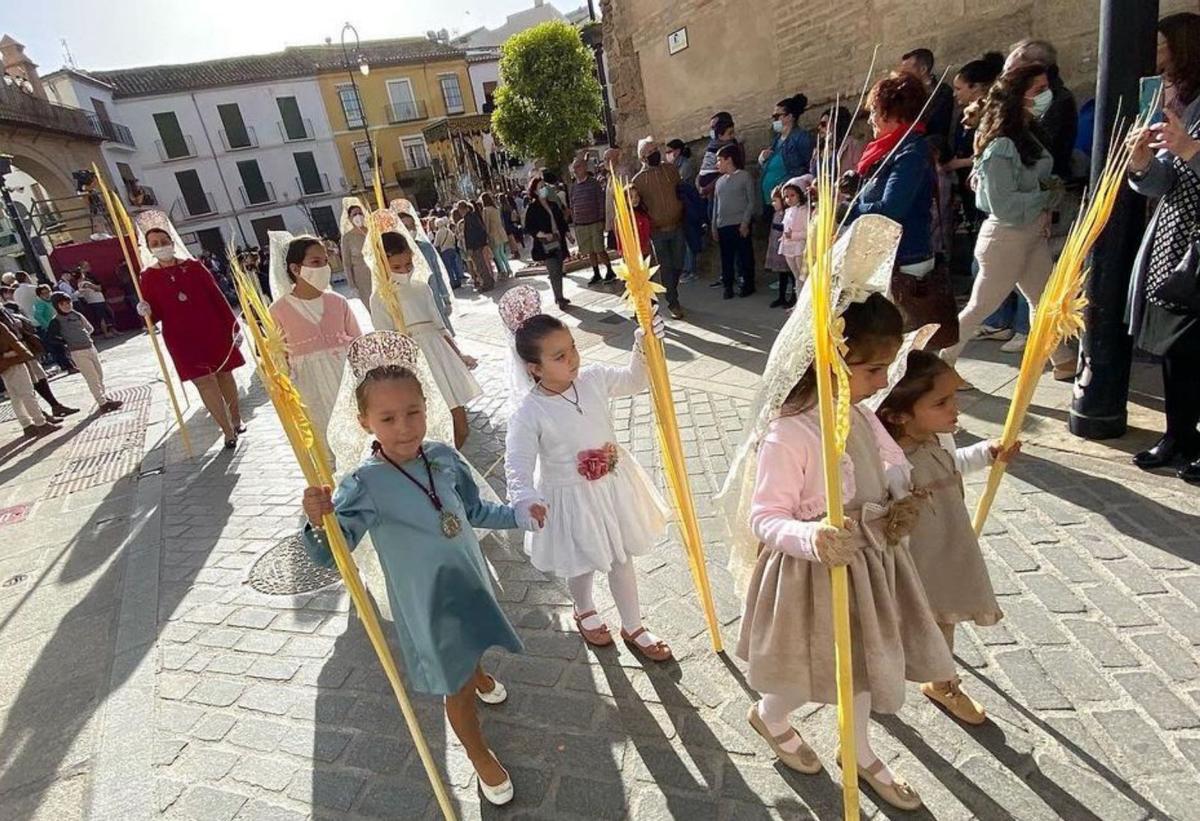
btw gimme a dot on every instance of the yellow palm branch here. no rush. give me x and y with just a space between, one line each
640 291
1059 314
271 359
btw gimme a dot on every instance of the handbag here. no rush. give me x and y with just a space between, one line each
1182 285
551 246
927 300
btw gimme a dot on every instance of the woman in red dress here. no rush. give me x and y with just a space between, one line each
198 326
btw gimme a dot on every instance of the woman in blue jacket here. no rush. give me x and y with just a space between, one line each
896 175
790 151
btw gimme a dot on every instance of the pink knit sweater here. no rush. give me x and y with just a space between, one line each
337 328
789 492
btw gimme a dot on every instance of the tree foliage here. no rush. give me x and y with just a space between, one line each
549 100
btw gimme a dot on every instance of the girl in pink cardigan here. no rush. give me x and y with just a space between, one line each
318 325
787 632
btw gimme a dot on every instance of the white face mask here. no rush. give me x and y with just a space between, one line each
164 253
358 220
316 277
777 126
403 279
1041 103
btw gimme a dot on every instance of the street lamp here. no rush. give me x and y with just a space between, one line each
365 69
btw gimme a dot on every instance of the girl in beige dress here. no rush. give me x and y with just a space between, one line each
921 413
787 629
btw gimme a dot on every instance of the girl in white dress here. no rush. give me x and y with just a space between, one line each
561 451
317 324
451 367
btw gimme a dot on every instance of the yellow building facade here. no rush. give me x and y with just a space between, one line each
409 84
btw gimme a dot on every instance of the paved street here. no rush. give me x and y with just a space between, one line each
142 676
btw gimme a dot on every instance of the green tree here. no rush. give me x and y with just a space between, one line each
549 102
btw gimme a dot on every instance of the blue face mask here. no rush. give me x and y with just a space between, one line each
777 126
1041 103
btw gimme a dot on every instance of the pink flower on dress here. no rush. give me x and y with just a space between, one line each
597 463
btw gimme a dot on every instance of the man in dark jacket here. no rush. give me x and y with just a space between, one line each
939 113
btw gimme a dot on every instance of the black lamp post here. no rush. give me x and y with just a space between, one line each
362 109
1127 46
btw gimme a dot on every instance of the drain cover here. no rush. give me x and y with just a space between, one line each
285 569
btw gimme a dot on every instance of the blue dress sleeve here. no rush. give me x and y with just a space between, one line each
480 512
356 513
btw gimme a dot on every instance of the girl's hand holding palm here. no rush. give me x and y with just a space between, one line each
318 503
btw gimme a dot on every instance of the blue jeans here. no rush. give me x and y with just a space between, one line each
453 266
668 252
1012 313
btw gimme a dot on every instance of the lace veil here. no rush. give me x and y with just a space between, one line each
384 221
281 283
344 222
517 305
863 258
144 221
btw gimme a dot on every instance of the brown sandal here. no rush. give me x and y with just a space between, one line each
599 637
659 651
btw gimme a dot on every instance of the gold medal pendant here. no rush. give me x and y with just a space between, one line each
451 526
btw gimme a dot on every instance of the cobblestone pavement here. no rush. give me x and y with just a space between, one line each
141 676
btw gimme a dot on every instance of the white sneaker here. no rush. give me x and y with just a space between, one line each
1014 345
997 334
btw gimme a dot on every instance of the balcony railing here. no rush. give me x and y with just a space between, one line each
251 140
19 107
405 112
114 132
322 186
293 138
167 156
181 211
258 197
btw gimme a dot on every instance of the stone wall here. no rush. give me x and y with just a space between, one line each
743 55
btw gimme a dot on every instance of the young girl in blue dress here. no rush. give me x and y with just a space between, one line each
419 504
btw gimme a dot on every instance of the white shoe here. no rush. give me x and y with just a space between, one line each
1015 345
500 794
996 334
498 694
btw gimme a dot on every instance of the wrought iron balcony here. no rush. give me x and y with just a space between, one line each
405 112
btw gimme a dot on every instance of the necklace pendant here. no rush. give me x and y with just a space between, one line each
451 525
182 296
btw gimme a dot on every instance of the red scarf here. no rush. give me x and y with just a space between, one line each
880 147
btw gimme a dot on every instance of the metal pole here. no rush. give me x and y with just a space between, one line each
18 222
361 106
1126 53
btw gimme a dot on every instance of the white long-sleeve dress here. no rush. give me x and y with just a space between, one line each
425 324
551 445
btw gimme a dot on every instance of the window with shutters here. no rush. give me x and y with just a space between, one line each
310 177
351 106
452 94
172 142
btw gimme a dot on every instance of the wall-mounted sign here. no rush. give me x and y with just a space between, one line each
677 41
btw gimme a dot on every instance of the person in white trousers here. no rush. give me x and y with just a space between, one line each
75 332
15 375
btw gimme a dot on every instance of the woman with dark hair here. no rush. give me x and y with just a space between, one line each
475 238
1015 187
546 223
317 323
512 224
1165 165
896 176
849 148
790 151
497 236
971 85
199 329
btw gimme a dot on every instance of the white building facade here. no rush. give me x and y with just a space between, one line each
227 163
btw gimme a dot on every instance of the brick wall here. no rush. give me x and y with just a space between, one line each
743 55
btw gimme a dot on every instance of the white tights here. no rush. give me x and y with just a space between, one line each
622 583
774 710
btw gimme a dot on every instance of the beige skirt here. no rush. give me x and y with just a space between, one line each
787 628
